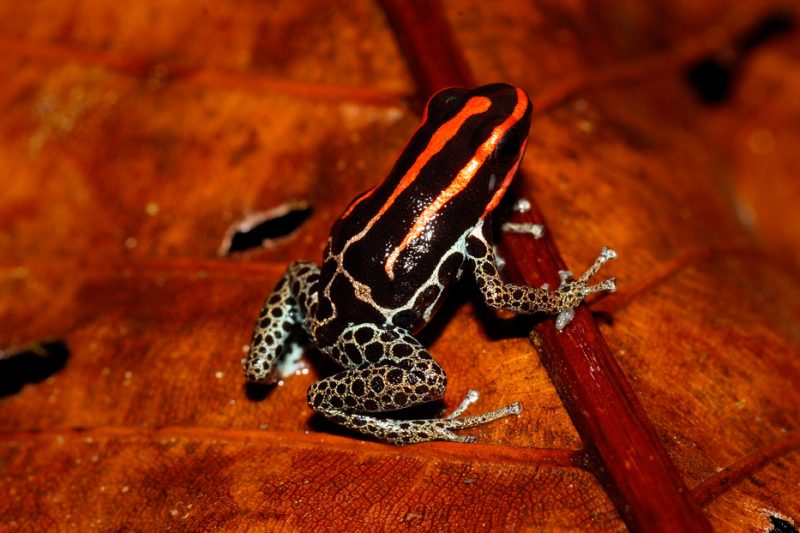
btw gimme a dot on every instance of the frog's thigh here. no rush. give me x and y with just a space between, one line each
388 370
292 302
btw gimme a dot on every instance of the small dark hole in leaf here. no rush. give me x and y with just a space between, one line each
711 80
259 229
31 365
779 525
712 77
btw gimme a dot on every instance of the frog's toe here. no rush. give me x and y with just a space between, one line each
471 397
537 230
564 318
465 422
606 255
609 285
467 439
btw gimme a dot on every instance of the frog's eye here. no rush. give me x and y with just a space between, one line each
446 101
507 150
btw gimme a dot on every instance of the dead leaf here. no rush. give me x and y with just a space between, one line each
135 136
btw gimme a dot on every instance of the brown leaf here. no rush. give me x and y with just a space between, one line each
135 136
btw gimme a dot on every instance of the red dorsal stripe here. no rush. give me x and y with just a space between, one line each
462 179
446 131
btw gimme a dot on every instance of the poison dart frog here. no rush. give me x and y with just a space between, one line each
388 263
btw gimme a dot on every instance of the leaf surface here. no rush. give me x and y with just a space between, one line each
135 136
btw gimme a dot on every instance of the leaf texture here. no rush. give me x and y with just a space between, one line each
134 136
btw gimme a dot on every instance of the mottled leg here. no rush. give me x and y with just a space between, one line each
389 370
530 300
291 303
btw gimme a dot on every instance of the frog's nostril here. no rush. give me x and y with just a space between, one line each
258 230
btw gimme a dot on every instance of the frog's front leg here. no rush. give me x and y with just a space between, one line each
388 369
529 300
292 303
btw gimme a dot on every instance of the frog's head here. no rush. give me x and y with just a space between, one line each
484 133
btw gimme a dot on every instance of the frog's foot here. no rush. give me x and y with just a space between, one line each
528 228
525 299
578 289
537 230
413 431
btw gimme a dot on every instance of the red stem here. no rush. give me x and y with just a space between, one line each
628 457
428 45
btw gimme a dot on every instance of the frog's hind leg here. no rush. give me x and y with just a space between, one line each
291 303
390 370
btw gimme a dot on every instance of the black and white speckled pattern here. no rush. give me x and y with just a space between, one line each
391 257
293 302
524 299
386 368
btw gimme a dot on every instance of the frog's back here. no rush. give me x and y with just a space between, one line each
404 239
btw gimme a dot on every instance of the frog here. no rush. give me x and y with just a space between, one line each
389 261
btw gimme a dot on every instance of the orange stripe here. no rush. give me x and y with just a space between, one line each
498 195
461 180
444 133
